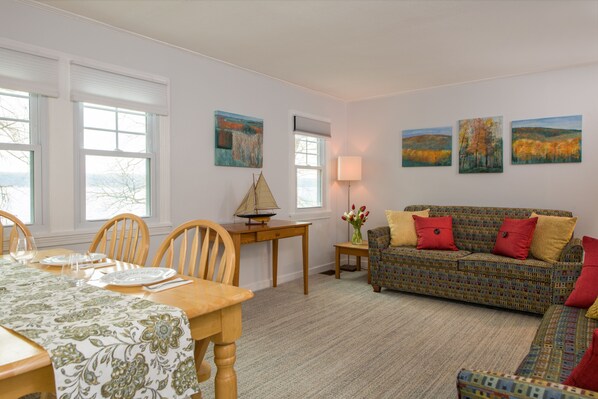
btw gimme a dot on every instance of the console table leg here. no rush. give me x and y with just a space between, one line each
305 248
274 262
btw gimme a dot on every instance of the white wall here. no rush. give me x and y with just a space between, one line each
375 128
198 87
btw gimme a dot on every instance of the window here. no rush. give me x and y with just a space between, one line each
309 170
20 155
117 161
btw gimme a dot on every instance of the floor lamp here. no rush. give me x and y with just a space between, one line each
349 169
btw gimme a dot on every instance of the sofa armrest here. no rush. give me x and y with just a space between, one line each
564 276
573 251
379 237
475 384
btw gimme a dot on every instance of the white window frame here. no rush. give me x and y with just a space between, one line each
312 213
153 155
38 138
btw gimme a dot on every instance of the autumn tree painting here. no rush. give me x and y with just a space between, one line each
547 140
480 145
427 147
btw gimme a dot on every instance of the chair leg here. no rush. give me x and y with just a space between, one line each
205 370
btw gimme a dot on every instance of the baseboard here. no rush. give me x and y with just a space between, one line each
285 278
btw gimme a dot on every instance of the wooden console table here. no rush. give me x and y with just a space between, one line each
273 231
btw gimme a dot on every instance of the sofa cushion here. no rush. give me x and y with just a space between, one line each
475 228
402 227
566 327
559 345
551 236
502 266
585 374
514 237
435 233
548 363
412 257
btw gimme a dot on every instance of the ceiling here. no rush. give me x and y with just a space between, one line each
354 50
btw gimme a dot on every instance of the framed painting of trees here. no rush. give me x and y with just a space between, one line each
546 140
480 145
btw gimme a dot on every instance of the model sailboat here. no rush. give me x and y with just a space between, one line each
258 198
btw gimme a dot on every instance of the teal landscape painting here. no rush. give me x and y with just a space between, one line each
547 140
428 147
239 140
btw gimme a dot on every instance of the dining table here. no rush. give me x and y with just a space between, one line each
213 310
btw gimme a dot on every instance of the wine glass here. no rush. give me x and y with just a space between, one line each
23 249
79 268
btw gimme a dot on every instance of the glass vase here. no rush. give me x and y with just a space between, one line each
356 238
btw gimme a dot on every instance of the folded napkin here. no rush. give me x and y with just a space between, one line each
177 282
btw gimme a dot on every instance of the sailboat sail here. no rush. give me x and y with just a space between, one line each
263 195
259 197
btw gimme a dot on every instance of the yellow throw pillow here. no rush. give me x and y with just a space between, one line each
592 312
551 235
402 227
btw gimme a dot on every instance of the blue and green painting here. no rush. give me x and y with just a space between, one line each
239 140
547 140
428 147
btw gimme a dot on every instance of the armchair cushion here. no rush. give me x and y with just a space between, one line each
585 374
586 287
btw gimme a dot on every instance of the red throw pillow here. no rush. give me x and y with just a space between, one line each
585 374
435 233
515 237
586 287
590 248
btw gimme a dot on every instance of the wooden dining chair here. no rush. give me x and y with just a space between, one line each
125 237
18 228
193 249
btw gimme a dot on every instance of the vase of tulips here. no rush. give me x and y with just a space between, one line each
356 218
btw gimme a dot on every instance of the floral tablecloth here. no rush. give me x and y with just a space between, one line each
102 344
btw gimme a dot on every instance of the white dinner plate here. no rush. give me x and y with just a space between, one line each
60 260
141 276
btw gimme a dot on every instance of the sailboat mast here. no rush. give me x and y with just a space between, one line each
254 194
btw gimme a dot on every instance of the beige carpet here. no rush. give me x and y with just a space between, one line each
345 341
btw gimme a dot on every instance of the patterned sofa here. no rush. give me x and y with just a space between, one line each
473 273
560 343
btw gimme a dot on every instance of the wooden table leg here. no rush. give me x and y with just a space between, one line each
358 263
274 262
226 377
305 248
237 241
369 275
337 263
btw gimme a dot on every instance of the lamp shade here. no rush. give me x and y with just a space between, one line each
349 168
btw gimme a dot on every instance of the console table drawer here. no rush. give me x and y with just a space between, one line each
276 234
